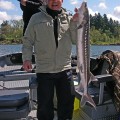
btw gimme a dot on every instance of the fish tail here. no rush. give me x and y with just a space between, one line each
87 99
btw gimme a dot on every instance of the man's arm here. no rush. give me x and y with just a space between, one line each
31 4
28 44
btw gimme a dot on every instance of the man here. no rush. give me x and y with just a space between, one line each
51 33
29 7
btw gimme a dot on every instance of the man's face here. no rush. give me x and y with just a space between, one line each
55 4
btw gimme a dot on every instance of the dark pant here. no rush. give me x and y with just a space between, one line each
62 81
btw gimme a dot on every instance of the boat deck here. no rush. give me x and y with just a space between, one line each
76 115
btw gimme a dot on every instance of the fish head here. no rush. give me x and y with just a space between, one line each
83 14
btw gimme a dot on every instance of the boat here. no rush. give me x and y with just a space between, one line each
18 99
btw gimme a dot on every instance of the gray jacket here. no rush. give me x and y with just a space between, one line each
40 36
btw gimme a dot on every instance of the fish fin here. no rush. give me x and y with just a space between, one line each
87 99
81 87
92 78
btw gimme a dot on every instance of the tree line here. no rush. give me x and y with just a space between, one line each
11 32
103 31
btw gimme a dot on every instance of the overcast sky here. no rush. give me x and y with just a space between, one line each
9 9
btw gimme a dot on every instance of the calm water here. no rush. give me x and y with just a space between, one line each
8 49
94 50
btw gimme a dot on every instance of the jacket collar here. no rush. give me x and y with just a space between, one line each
43 9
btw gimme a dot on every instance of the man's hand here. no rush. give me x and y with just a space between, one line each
75 16
23 2
27 65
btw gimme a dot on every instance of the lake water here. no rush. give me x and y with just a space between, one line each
95 50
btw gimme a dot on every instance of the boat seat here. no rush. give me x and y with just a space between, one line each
14 104
14 99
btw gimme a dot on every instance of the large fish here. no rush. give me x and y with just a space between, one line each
83 55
